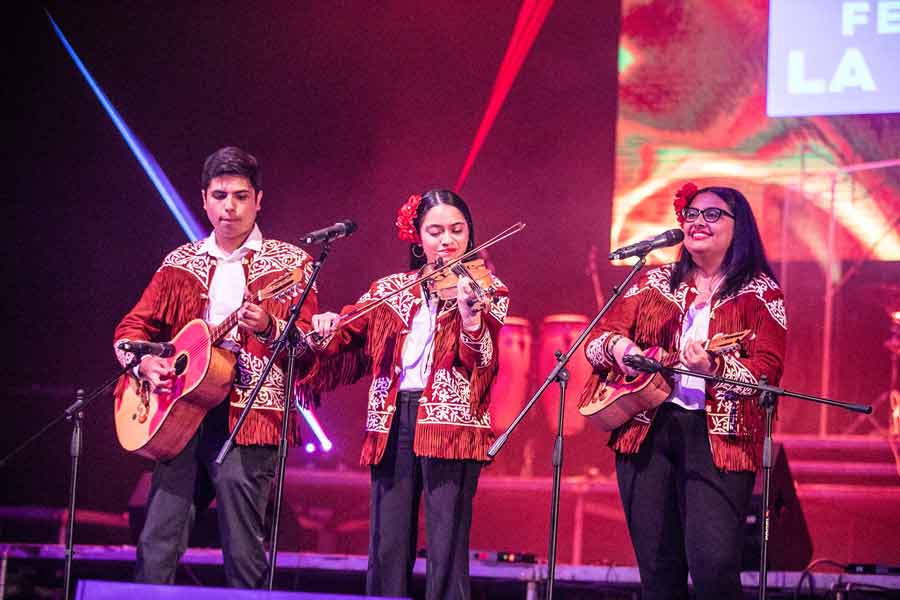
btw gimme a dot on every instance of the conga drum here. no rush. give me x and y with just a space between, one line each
558 332
508 393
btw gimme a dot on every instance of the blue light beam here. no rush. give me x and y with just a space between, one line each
173 201
313 423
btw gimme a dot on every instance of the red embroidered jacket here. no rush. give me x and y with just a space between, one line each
650 315
178 293
453 420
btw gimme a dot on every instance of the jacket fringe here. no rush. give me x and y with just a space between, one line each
628 438
591 388
383 328
463 443
330 371
738 454
262 425
176 304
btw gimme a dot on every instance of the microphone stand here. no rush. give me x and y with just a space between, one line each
291 339
560 375
768 399
74 413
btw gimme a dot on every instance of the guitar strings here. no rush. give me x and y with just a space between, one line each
217 331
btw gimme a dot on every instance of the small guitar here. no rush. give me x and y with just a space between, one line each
621 397
159 425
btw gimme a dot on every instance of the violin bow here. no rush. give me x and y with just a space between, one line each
364 310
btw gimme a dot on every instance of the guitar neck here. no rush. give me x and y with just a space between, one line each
217 332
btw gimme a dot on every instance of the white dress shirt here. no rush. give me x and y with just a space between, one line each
417 348
690 392
226 290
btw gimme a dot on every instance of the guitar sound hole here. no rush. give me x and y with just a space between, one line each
181 363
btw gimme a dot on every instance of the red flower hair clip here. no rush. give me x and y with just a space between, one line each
406 231
682 198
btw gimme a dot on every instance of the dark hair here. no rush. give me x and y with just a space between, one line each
745 257
430 199
231 160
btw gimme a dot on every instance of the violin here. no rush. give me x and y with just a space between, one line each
449 272
443 282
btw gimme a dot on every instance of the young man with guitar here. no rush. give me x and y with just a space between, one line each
685 461
216 300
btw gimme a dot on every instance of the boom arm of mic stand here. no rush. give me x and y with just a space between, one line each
73 409
563 360
777 391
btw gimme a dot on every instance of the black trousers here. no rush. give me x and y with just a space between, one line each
398 483
188 483
683 513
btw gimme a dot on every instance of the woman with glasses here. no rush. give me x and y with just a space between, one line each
685 469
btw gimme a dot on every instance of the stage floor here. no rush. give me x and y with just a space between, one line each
299 571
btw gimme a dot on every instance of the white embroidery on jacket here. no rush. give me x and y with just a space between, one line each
279 257
595 351
724 415
187 258
449 402
737 371
658 279
376 414
122 356
484 346
776 309
759 286
249 369
402 303
499 307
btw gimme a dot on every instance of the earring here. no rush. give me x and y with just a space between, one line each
420 253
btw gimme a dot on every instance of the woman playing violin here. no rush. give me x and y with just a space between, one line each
427 429
685 469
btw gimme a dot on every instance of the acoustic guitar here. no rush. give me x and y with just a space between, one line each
159 425
621 397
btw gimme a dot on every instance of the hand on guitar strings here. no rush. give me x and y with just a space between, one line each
694 357
158 372
253 317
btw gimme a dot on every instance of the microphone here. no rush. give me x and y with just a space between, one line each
663 240
160 349
326 234
642 363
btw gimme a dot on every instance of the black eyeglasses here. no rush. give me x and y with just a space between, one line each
710 215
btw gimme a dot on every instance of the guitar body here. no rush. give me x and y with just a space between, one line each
159 426
620 397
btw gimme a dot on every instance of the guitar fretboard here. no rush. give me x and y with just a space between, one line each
219 331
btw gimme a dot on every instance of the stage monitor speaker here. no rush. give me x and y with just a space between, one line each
790 547
114 590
